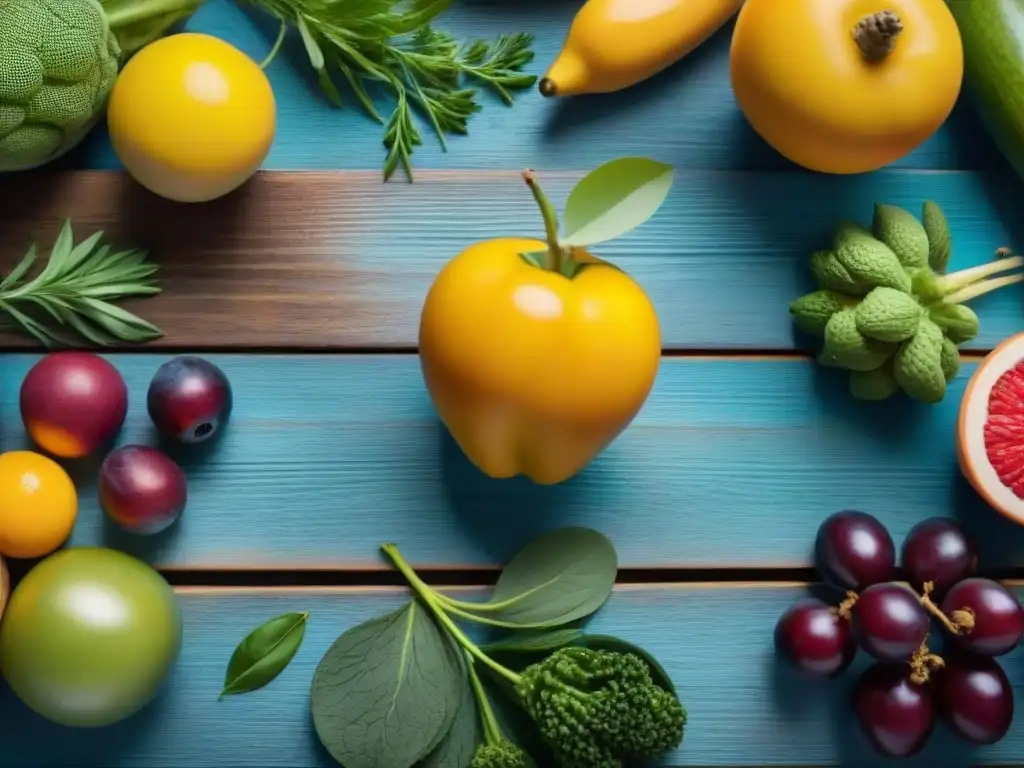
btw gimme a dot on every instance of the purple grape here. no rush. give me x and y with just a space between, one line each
990 617
940 551
889 622
895 713
854 550
975 697
814 639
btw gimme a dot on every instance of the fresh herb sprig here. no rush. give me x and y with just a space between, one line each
73 292
391 43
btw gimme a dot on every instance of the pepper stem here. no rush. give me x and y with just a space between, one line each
547 211
876 34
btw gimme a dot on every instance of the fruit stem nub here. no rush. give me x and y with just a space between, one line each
547 211
876 34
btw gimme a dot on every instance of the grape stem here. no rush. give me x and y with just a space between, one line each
843 610
922 663
958 622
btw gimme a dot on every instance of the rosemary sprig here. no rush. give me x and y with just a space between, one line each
390 44
73 292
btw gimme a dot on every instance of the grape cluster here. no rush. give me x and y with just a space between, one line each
898 698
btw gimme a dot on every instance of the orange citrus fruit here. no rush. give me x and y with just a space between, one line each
191 117
38 504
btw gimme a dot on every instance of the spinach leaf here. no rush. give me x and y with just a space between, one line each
387 691
264 653
557 578
612 643
460 742
534 642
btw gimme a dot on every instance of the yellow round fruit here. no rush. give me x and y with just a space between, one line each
38 504
191 117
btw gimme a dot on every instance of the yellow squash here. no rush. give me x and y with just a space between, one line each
846 86
614 44
536 367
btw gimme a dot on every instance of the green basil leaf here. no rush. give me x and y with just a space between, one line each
387 691
617 644
557 578
460 742
613 199
534 642
264 653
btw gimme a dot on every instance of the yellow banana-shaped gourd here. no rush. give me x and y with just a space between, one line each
614 44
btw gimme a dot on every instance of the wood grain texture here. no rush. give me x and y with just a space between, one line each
729 464
336 260
715 642
686 116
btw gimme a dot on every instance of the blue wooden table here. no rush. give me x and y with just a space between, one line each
712 497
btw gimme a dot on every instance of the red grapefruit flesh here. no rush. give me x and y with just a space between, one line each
990 431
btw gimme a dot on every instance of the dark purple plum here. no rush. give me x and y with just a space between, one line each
854 550
142 489
811 637
991 619
189 400
975 697
940 551
889 622
895 713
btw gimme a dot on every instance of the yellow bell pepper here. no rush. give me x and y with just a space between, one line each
537 355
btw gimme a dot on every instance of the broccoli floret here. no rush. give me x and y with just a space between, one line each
597 708
503 754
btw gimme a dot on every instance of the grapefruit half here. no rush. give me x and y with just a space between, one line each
990 429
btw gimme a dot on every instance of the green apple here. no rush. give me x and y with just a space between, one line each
89 636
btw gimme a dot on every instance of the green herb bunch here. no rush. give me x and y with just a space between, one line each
391 43
887 310
71 294
405 689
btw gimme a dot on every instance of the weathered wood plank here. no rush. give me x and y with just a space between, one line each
335 260
732 463
715 641
686 116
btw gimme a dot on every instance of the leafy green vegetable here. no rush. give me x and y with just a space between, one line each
613 199
557 578
495 750
886 311
532 642
390 44
264 653
459 744
387 691
137 23
73 291
617 644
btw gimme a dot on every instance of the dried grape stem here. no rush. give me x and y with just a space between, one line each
958 622
922 663
843 610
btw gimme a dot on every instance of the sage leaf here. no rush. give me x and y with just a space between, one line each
617 644
613 199
534 642
557 578
463 737
387 691
264 653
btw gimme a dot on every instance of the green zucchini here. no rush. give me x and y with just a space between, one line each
993 38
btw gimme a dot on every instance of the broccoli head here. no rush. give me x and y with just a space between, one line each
501 754
597 708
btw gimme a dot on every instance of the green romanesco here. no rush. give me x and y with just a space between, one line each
885 308
58 63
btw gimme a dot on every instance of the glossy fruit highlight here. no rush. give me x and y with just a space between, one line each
141 489
895 713
191 117
854 550
38 504
990 616
814 639
975 697
89 636
898 66
189 400
938 551
889 622
73 403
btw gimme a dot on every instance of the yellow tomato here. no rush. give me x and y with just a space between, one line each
532 372
192 117
38 504
846 86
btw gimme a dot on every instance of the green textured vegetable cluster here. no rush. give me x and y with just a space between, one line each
887 310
